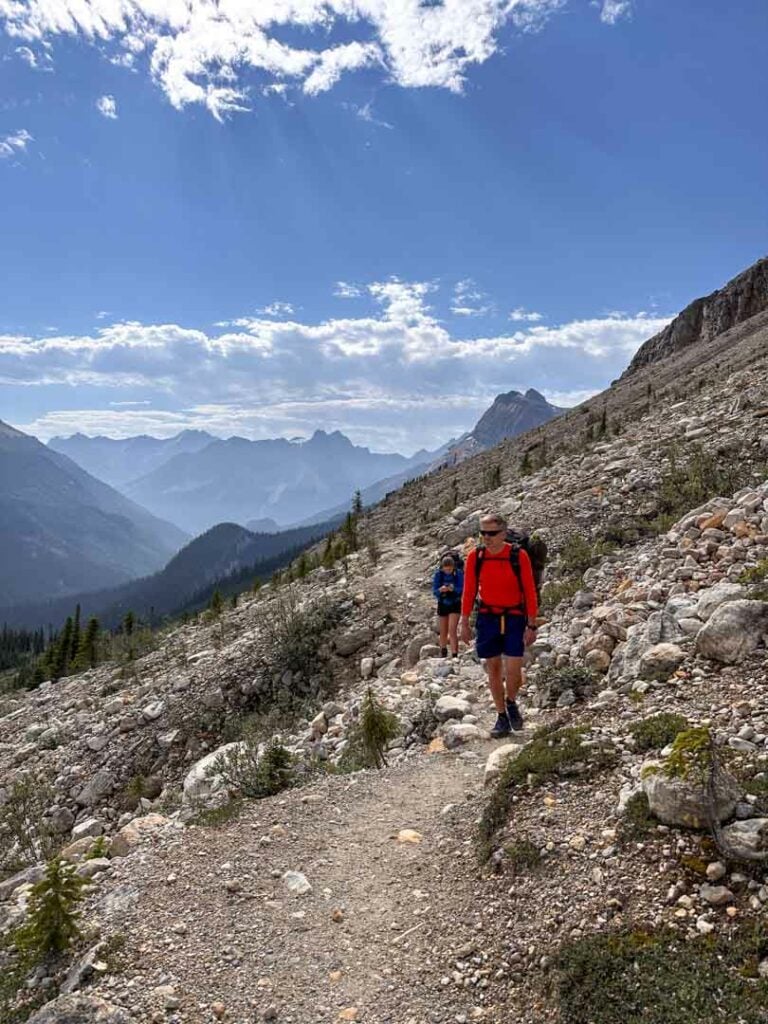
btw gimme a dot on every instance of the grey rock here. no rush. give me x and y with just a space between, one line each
98 788
351 641
733 631
711 599
28 876
717 895
682 802
451 707
660 661
88 827
203 781
81 1009
747 840
62 820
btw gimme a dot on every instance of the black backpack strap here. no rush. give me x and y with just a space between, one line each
514 561
479 559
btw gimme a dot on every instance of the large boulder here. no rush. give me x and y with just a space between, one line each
747 840
660 661
131 835
97 789
684 802
448 706
203 781
353 640
81 1009
498 759
733 631
711 599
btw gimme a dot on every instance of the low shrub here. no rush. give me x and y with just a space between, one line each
370 736
637 821
551 754
25 834
53 916
255 772
522 855
657 731
756 573
657 977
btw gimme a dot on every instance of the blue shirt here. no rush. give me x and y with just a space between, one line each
441 579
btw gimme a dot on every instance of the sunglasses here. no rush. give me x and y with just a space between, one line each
490 533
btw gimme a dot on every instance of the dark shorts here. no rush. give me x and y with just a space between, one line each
491 642
448 608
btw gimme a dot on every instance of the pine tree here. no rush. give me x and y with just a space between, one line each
377 728
75 640
59 660
87 653
327 556
357 504
302 566
216 603
129 622
52 923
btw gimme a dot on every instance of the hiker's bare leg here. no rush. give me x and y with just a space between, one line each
453 625
444 630
513 675
495 670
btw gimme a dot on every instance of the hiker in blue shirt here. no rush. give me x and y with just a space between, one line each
447 585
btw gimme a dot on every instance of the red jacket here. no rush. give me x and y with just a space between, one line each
499 588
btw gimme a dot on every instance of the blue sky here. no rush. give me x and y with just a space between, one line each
262 223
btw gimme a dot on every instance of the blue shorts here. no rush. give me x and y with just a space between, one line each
490 642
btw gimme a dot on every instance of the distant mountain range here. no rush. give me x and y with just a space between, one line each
62 530
197 481
185 583
117 461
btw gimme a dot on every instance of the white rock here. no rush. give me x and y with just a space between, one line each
297 883
202 780
498 758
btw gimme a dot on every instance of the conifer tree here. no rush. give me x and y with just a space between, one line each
52 923
357 504
59 660
129 622
75 640
216 603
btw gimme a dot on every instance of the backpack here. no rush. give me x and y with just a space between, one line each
458 559
536 549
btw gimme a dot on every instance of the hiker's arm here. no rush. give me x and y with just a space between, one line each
436 580
459 586
529 588
469 586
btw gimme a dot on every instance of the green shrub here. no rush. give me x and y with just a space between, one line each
756 573
555 591
691 756
100 848
639 977
25 834
575 555
550 754
257 774
657 731
53 916
637 822
371 734
522 855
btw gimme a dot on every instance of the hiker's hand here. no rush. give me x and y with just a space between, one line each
529 636
465 633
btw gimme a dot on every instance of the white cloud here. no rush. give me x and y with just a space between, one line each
365 113
613 11
277 309
38 60
520 316
107 106
468 300
379 377
207 53
14 144
345 290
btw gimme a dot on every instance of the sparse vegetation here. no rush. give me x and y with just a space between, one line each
370 736
551 754
256 773
691 756
656 732
658 977
522 856
25 834
52 923
637 822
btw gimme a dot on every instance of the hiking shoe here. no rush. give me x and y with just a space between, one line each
443 652
514 716
502 727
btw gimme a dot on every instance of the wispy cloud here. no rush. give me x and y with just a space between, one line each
277 309
613 11
205 53
38 60
345 290
376 375
14 144
523 316
469 300
107 107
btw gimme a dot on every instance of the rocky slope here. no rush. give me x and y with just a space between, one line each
707 318
361 896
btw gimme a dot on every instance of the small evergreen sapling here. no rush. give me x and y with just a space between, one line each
52 923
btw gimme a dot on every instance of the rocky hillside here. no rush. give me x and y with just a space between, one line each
615 859
707 318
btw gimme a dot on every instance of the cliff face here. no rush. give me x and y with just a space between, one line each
706 318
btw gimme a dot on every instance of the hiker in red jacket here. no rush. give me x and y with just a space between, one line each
498 576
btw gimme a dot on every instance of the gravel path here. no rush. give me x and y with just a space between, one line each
378 938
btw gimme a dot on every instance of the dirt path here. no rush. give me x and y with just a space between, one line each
215 920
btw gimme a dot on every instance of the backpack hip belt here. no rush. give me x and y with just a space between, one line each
500 613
